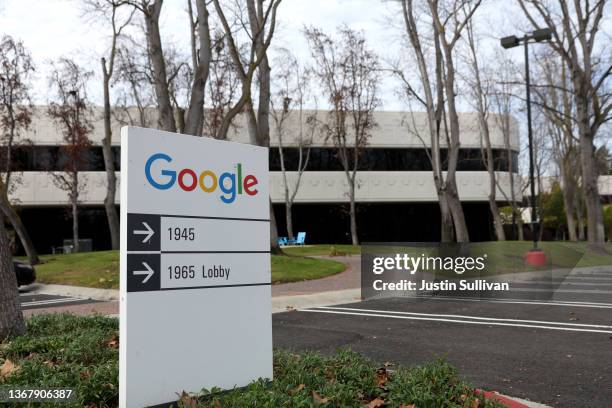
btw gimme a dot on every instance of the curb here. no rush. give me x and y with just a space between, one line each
510 402
288 303
74 291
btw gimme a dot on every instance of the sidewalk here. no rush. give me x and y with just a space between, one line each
349 279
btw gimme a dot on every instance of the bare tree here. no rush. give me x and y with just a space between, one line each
574 30
259 28
556 105
287 103
445 21
201 65
16 68
109 10
449 19
180 80
481 89
502 104
222 87
11 318
151 10
350 75
70 112
135 88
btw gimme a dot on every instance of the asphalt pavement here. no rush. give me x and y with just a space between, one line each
547 340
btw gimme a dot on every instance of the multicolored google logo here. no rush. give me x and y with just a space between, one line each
230 184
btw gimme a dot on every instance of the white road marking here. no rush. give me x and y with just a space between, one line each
563 283
352 309
597 305
487 323
586 278
51 301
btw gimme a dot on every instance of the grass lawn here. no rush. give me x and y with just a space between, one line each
503 257
323 250
81 353
101 269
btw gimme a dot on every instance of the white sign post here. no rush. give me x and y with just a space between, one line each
195 306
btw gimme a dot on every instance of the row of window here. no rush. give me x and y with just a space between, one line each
390 159
53 158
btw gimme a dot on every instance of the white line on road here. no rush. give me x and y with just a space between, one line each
562 283
556 290
51 301
585 278
353 309
457 321
596 305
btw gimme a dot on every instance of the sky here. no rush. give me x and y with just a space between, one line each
54 28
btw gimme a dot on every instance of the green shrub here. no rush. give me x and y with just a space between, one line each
348 380
66 351
81 353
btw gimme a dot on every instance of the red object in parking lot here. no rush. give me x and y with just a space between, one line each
535 257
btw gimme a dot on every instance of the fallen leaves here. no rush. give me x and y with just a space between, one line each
382 376
297 389
113 342
318 398
376 403
7 368
407 406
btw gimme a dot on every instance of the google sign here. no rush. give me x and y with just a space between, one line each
230 184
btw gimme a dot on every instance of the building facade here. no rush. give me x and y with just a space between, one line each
395 195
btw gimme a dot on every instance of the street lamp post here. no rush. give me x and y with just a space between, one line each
535 256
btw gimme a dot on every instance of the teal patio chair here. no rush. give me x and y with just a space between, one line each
301 238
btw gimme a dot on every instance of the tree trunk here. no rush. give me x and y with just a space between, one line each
195 114
452 194
447 233
456 209
109 165
11 318
263 110
497 221
156 56
275 249
289 218
10 213
569 191
579 214
75 216
571 223
180 119
595 230
353 215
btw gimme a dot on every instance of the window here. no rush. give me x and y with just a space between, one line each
390 159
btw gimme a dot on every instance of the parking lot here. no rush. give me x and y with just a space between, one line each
548 340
